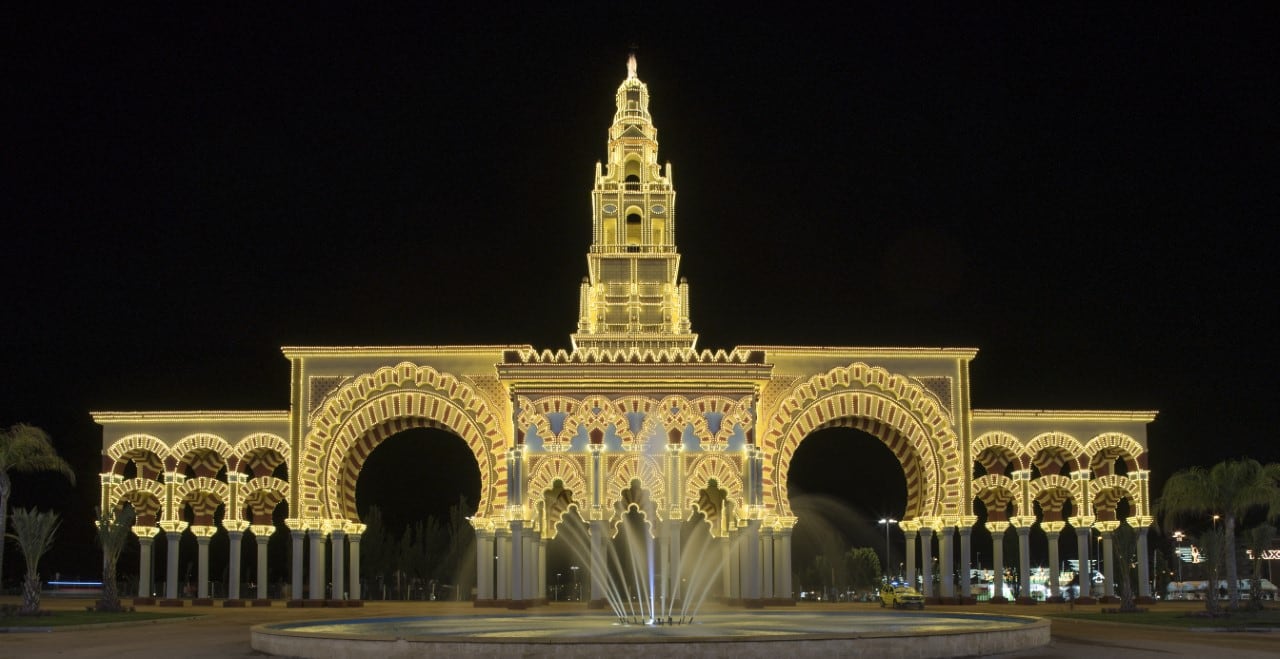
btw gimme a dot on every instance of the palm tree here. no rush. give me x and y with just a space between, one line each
25 448
114 529
1230 489
1259 541
33 531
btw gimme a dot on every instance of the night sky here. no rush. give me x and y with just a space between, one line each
1083 193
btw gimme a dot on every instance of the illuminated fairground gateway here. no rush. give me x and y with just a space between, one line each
634 417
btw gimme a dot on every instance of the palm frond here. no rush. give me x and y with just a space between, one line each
27 448
33 531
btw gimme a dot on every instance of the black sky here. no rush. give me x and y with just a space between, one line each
1085 193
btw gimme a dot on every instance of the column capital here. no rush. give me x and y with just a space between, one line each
355 529
203 532
997 527
1053 527
1081 521
930 523
174 478
172 526
316 532
967 521
909 525
1140 522
147 532
262 530
1106 527
235 525
1023 521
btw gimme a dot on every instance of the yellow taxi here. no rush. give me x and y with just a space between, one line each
900 597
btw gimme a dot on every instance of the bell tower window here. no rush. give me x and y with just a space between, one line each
633 228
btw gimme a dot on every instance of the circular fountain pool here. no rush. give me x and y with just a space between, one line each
737 634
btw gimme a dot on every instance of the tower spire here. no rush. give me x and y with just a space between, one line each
633 296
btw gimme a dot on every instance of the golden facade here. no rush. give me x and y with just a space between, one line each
632 417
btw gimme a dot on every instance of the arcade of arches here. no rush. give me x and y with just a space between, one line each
632 416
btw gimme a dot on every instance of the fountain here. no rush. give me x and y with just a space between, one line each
650 613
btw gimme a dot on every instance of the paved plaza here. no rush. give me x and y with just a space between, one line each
224 632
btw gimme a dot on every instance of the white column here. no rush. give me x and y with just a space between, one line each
317 563
677 577
337 541
530 588
517 561
171 569
261 540
779 592
233 569
1024 561
144 565
299 549
911 557
966 561
1144 568
542 566
735 564
1108 563
354 590
926 561
947 562
751 561
1054 589
1085 577
484 565
766 563
202 566
997 563
783 537
502 540
599 566
726 575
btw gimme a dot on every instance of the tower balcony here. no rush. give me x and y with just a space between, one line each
632 186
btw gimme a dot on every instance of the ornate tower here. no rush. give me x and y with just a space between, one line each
632 297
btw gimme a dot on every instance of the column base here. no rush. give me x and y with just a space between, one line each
998 599
1109 599
1145 599
519 605
295 604
202 601
779 601
231 604
260 602
753 604
482 604
144 601
597 604
171 602
312 604
1086 601
1027 601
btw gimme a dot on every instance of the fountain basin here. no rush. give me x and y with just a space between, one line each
739 635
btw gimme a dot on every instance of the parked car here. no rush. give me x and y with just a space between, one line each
900 597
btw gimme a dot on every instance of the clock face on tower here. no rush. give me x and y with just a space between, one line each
659 210
610 209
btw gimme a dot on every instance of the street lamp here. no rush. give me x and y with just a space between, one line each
577 592
886 522
1179 535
